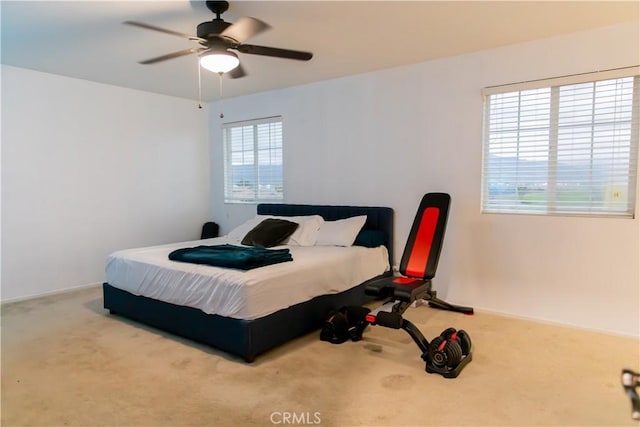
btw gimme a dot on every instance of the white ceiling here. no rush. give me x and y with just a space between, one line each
86 39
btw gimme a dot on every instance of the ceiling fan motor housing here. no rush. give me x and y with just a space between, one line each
209 29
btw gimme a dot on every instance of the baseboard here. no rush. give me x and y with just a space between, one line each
49 293
556 323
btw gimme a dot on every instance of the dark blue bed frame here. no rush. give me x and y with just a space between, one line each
249 338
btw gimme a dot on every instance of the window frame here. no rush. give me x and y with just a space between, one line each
551 200
256 154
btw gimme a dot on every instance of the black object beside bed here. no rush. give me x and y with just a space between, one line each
249 338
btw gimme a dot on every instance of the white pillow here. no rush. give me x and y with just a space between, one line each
240 231
342 232
307 232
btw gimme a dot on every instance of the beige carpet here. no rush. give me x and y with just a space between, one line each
66 362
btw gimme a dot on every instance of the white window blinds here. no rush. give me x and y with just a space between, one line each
253 161
562 149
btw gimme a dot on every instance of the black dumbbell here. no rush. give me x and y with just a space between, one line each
461 337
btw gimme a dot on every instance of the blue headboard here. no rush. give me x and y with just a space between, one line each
378 218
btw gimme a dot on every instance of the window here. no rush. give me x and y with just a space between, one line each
569 149
253 161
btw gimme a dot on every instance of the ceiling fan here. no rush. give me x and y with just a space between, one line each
218 39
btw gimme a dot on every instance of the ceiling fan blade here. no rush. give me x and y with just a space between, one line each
237 72
173 55
274 51
244 28
163 30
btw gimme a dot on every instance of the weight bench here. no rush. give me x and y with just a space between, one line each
450 352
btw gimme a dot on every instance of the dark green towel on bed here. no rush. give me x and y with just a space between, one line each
230 256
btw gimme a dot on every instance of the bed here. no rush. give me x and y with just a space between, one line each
251 332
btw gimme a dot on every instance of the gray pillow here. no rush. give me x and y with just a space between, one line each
270 232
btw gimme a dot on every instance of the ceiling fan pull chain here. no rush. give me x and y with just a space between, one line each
199 86
221 113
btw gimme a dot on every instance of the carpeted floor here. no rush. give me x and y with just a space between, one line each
66 362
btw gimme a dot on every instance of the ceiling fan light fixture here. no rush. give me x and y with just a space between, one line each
221 61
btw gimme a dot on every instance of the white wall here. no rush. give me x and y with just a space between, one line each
88 169
388 137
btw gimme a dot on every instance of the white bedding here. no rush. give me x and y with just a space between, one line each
315 270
